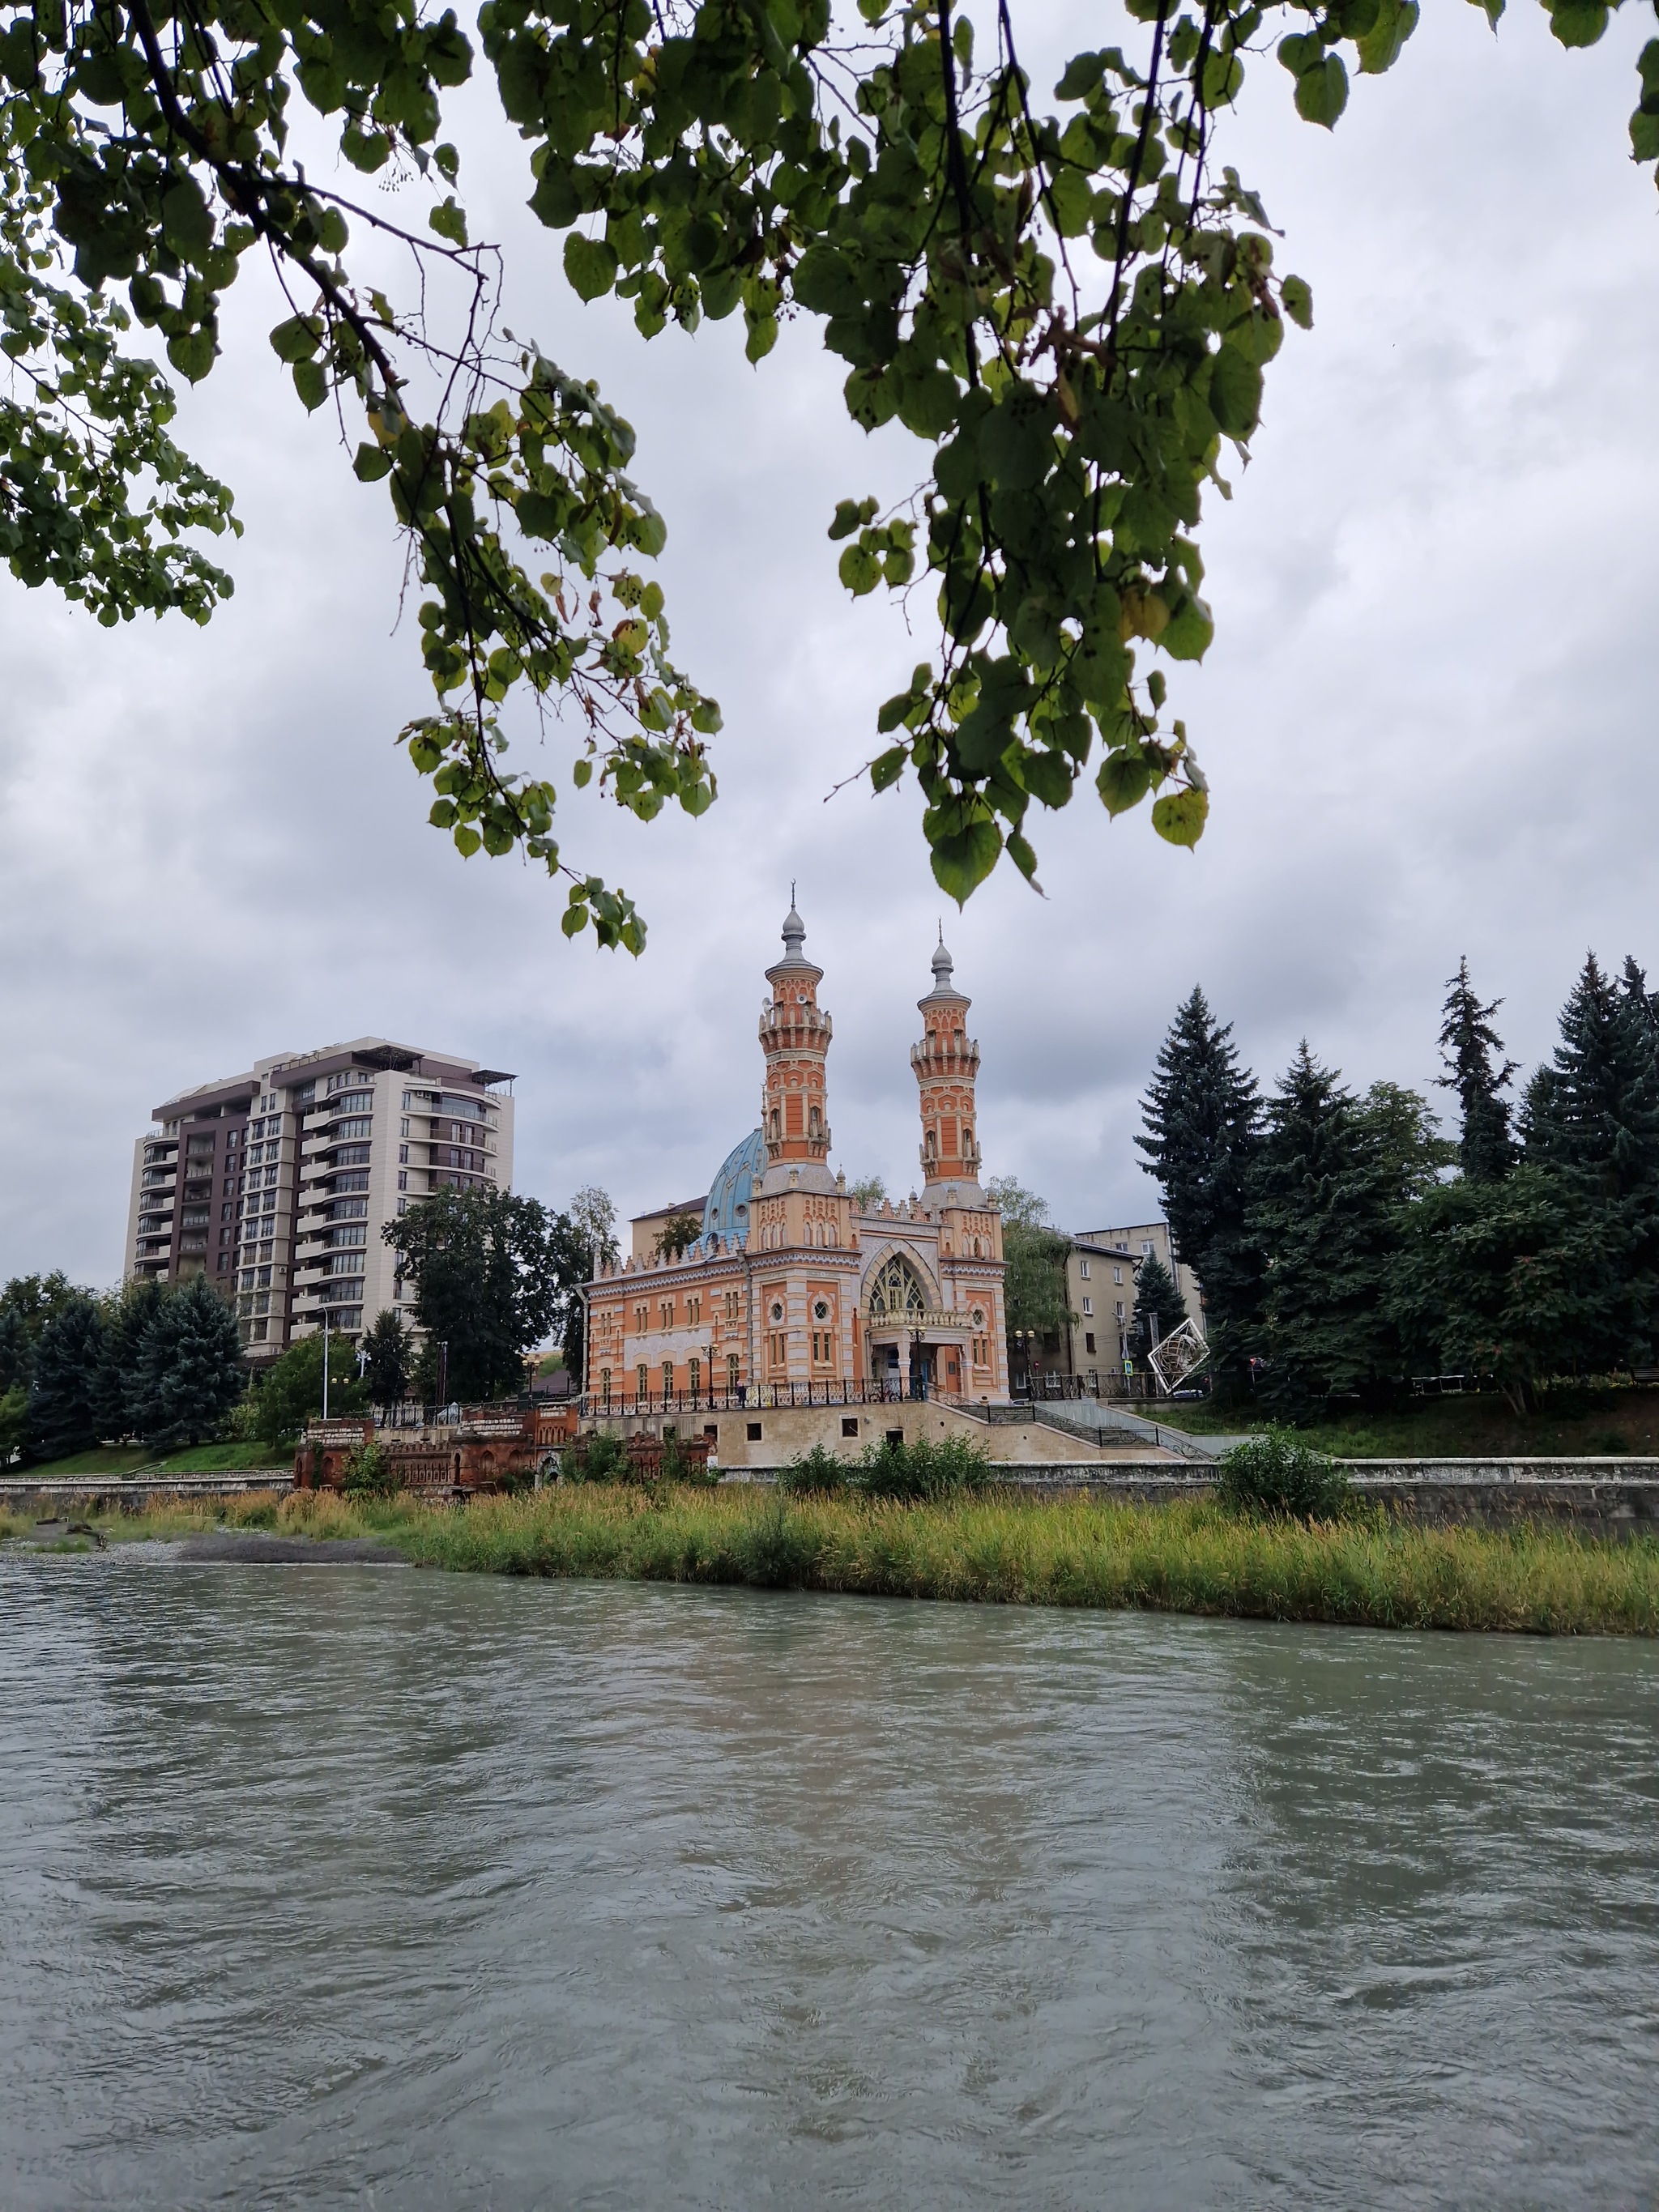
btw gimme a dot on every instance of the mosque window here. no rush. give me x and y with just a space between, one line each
667 1378
731 1370
605 1383
693 1377
815 1122
821 1310
643 1380
896 1290
777 1309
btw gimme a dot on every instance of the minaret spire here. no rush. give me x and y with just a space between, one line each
946 1063
794 1034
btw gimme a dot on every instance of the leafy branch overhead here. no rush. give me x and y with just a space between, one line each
1070 304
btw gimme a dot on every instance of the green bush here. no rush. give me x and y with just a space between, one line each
815 1474
947 1468
1277 1473
369 1472
599 1456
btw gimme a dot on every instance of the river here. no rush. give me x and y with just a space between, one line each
326 1886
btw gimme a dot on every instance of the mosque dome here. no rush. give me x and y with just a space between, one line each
725 1210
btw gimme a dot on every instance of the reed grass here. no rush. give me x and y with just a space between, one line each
1366 1568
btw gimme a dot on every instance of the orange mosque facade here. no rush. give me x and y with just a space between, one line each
794 1295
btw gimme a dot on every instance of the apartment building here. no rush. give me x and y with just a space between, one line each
276 1184
1100 1291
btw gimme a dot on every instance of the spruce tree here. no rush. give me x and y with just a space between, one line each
389 1345
1598 1113
16 1350
1158 1304
1473 1053
126 1319
1201 1117
64 1387
189 1371
1324 1199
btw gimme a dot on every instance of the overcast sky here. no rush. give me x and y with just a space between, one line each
1427 718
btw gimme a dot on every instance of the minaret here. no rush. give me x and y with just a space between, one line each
794 1035
947 1062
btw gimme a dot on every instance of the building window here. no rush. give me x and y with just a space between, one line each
403 1183
694 1376
667 1377
1089 1341
1120 1309
605 1383
732 1365
403 1154
1082 1269
666 1313
642 1380
1118 1277
1088 1308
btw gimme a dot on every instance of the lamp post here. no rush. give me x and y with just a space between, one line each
325 1363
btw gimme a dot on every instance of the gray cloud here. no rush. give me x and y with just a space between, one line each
1427 717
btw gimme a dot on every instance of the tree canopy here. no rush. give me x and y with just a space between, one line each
494 1275
1069 300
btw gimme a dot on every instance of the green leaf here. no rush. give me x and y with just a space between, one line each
1179 816
852 514
573 919
449 221
1016 439
311 382
1189 631
1123 782
186 220
1234 392
372 463
467 841
887 768
963 861
1645 136
591 265
1322 93
1379 49
860 571
298 338
1298 299
1022 858
192 354
1579 23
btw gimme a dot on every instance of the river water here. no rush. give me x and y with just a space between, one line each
345 1885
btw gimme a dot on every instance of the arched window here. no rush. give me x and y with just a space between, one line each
932 1146
896 1289
776 1124
732 1367
644 1380
814 1122
604 1384
668 1378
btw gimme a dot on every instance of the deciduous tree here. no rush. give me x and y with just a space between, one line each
494 1275
1069 299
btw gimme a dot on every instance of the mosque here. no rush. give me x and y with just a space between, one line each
792 1293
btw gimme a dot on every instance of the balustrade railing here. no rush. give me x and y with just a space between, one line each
763 1397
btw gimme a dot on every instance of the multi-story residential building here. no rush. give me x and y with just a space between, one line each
277 1183
1099 1291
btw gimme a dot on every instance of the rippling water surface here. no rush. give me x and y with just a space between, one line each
323 1886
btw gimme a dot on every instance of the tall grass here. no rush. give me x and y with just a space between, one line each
1366 1568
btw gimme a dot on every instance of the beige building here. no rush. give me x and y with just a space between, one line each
1100 1291
276 1184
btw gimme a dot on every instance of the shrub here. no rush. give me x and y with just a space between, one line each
599 1456
815 1474
1277 1473
946 1468
369 1472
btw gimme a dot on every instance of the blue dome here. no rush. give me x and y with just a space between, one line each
725 1210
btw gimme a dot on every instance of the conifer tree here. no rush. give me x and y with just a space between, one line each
189 1371
1158 1304
64 1387
16 1350
1200 1119
1324 1197
1598 1114
389 1344
1473 1053
126 1319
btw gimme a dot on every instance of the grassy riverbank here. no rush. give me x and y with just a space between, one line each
1187 1557
1569 1424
